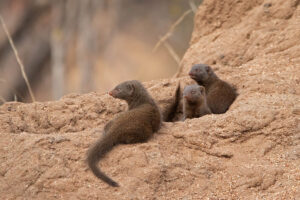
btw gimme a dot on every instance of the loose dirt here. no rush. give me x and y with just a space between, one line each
250 152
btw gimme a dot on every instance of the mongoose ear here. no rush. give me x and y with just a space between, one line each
202 89
131 88
207 69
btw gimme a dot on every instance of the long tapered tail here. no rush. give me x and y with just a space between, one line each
170 112
95 154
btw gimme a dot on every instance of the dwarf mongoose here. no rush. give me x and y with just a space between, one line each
137 124
170 111
194 102
219 94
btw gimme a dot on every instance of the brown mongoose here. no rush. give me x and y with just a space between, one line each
170 111
135 125
194 102
219 94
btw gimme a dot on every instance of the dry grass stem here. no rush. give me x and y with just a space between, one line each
171 30
18 58
172 52
193 6
176 75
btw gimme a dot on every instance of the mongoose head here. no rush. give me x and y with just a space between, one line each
193 93
201 72
126 90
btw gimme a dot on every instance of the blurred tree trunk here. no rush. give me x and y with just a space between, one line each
33 46
85 42
94 34
57 49
114 8
63 31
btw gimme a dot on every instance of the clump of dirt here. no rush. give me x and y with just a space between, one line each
250 152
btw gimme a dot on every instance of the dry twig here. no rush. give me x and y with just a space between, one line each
171 30
172 52
193 6
18 58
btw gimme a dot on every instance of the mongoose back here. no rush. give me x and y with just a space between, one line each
170 111
219 94
194 102
135 125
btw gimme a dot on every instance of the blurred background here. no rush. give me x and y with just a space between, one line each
89 45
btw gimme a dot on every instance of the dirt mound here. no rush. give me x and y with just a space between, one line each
250 152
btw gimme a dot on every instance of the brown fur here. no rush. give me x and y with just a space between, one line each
170 111
194 102
219 94
136 125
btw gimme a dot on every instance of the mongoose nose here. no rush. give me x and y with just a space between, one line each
191 74
110 93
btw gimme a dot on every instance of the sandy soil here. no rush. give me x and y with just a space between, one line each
250 152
